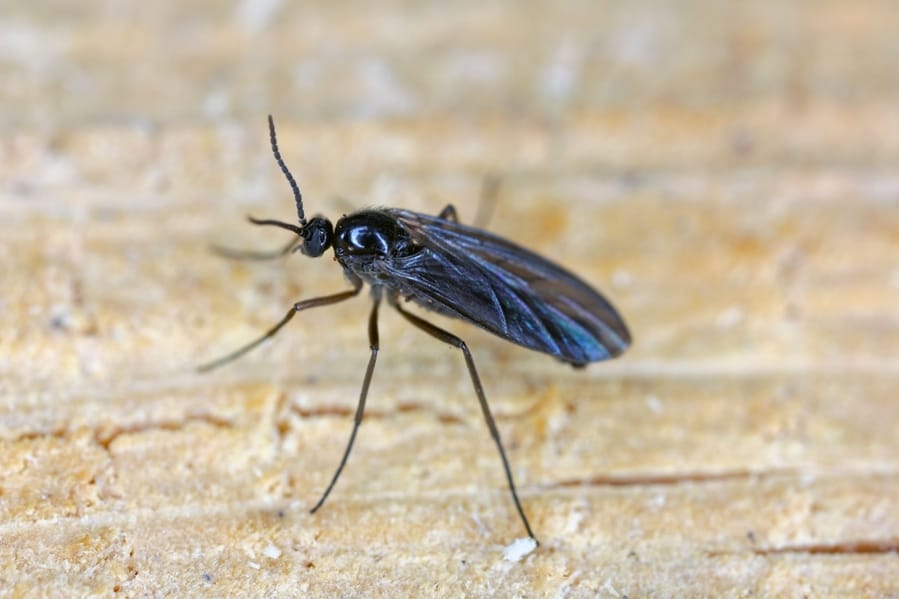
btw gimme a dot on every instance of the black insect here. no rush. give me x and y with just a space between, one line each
457 271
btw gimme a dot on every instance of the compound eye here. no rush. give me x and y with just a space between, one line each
317 237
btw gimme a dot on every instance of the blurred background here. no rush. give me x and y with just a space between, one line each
121 62
625 86
727 172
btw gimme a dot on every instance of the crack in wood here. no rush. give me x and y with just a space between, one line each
54 433
858 547
846 547
374 413
674 478
105 437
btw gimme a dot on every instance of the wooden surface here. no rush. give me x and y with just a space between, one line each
726 172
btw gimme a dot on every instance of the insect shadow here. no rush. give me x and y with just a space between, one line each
455 270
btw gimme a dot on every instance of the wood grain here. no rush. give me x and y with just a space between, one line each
725 172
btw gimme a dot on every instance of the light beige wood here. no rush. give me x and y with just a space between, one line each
725 172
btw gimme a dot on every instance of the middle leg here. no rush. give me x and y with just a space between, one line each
363 394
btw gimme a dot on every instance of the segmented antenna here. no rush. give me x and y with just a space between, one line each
297 196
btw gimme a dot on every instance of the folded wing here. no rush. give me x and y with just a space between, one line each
512 292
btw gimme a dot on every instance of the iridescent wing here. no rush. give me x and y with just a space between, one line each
470 274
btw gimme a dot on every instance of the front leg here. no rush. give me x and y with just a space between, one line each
297 307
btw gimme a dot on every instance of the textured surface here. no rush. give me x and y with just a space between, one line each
727 173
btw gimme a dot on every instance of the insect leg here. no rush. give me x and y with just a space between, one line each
297 307
363 394
449 213
451 339
232 254
487 201
489 191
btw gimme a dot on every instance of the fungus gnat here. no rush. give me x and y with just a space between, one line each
458 271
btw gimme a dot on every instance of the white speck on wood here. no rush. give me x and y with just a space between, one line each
519 548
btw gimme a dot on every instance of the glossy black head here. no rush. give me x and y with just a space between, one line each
318 235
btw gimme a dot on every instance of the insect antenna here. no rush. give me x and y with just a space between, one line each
297 196
248 255
276 223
